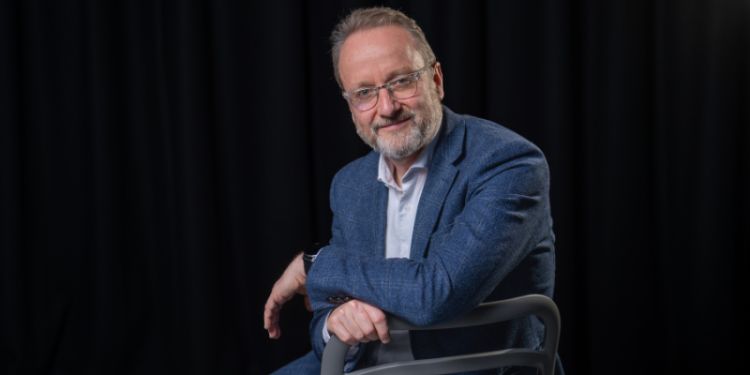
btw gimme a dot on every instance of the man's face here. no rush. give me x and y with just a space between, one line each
397 128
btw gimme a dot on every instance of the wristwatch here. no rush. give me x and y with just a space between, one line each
309 254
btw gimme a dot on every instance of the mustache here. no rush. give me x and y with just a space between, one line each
383 123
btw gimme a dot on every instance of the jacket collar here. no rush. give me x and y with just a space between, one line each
440 178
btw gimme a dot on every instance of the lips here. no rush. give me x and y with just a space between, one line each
393 124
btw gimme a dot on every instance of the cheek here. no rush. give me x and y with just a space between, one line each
362 121
362 129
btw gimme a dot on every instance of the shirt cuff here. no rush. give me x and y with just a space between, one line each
326 335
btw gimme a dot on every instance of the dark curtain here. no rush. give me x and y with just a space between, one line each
161 162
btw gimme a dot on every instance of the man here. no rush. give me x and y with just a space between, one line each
448 211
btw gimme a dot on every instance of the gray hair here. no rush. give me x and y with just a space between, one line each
369 18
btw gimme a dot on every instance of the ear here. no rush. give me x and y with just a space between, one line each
438 79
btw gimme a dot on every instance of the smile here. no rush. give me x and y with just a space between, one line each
394 125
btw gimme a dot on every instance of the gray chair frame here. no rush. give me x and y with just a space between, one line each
486 313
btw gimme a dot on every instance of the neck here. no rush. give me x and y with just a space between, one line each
399 167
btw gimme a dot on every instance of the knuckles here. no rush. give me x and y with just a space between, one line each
356 311
378 317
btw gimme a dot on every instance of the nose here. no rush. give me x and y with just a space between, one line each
387 105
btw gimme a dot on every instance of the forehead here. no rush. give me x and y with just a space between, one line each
374 55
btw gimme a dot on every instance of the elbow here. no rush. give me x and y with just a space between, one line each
431 296
429 318
437 303
432 314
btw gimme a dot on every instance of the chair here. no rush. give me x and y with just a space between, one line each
486 313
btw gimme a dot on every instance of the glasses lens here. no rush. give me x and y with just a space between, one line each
364 103
405 87
401 88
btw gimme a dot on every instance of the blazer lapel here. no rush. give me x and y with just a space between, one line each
380 209
440 178
372 207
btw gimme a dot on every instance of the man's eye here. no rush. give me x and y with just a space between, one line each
363 93
400 82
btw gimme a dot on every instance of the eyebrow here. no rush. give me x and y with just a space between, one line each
391 76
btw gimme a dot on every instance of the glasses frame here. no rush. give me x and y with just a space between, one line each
389 87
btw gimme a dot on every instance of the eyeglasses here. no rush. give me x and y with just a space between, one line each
401 87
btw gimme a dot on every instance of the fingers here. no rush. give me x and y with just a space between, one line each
361 318
271 314
378 319
357 321
275 301
280 294
338 324
291 282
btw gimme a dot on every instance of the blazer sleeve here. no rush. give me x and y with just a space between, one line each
506 212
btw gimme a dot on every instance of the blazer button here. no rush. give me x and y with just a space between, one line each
337 300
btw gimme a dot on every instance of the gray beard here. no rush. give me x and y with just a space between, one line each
407 144
418 136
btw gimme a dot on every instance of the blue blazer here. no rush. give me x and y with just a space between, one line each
483 231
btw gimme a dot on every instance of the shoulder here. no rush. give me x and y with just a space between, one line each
485 141
492 152
358 170
487 137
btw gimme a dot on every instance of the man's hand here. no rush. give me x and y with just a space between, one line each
357 321
291 282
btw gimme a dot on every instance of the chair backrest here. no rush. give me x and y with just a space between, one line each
486 313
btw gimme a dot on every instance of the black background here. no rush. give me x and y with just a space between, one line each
161 162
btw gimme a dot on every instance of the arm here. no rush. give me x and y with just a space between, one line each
505 210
